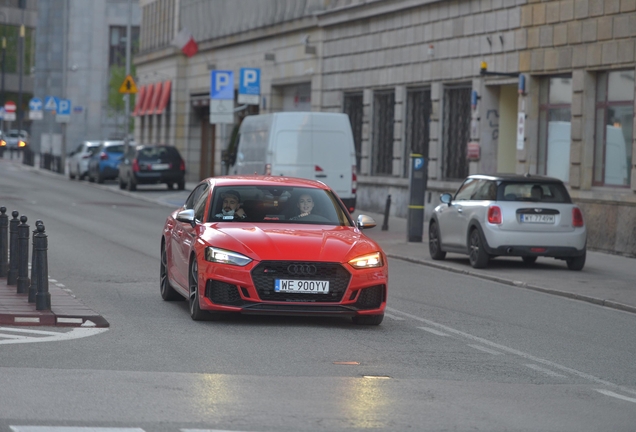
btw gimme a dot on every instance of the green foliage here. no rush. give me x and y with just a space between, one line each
116 100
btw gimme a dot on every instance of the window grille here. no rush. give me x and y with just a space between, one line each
383 117
456 132
353 108
418 115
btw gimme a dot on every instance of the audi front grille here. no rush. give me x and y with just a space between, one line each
264 275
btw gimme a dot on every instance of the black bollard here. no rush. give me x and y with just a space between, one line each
23 256
12 276
33 288
42 297
4 242
387 208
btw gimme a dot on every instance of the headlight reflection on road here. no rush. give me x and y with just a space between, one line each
365 402
211 393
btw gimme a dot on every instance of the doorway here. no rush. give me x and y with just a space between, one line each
507 142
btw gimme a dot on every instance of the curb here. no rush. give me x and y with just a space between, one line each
601 302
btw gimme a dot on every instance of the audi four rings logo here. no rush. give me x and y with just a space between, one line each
302 269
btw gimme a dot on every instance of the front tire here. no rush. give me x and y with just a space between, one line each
434 242
167 292
576 263
477 254
371 320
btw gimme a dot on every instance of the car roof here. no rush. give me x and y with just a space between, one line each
517 178
261 180
111 143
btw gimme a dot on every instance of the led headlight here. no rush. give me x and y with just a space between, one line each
3 143
223 256
367 261
21 144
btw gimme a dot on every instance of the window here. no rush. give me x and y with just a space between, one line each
555 99
353 108
456 132
469 189
383 117
117 44
614 128
418 116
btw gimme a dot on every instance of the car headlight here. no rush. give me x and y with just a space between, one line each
223 256
367 261
3 143
21 144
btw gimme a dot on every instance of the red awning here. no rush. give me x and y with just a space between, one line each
140 101
150 92
155 99
165 97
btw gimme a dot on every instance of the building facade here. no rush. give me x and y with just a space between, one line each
79 45
488 86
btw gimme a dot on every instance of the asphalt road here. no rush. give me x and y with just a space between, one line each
454 353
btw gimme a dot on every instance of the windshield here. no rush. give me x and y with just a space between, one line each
277 204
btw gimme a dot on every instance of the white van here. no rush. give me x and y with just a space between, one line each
312 145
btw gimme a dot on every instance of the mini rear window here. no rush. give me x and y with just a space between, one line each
158 152
536 192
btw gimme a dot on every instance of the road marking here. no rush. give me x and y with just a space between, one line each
430 330
616 395
17 330
71 429
486 350
76 333
545 371
210 430
516 352
395 317
26 320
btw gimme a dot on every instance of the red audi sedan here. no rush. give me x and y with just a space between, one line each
272 246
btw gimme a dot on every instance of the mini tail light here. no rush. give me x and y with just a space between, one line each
577 217
103 156
354 180
182 166
494 215
317 168
268 169
135 165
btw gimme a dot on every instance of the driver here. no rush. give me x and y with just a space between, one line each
231 209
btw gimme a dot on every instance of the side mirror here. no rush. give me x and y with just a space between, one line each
365 222
446 198
186 216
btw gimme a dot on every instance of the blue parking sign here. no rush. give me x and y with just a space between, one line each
250 86
418 163
64 107
222 84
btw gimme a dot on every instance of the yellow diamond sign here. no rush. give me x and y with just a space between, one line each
128 86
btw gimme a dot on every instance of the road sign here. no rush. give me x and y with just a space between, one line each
35 109
250 86
63 111
221 96
50 103
128 86
9 111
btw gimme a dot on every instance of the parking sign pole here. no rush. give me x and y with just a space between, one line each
417 188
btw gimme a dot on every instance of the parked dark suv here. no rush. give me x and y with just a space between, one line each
152 164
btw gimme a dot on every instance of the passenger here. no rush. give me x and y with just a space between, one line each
536 193
231 209
305 204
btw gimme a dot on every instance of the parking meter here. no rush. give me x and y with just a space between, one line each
417 189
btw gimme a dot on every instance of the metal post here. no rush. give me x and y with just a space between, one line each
23 256
33 288
4 241
12 276
19 110
387 208
42 297
127 96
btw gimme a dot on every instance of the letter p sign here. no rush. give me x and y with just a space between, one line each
222 85
250 86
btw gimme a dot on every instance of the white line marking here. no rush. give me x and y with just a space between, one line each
395 317
516 352
6 336
60 285
70 320
545 371
17 330
435 332
71 429
616 395
210 430
76 333
26 320
52 280
486 350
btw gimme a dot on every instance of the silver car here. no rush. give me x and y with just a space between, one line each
509 215
78 159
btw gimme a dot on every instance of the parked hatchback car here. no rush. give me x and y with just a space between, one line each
253 245
509 215
104 163
79 157
152 164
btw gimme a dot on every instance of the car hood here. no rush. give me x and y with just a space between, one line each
289 242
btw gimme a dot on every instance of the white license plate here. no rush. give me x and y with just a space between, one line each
301 286
158 167
537 218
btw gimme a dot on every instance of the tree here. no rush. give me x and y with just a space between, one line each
116 101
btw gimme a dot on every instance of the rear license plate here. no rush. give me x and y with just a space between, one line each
159 167
301 286
537 218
